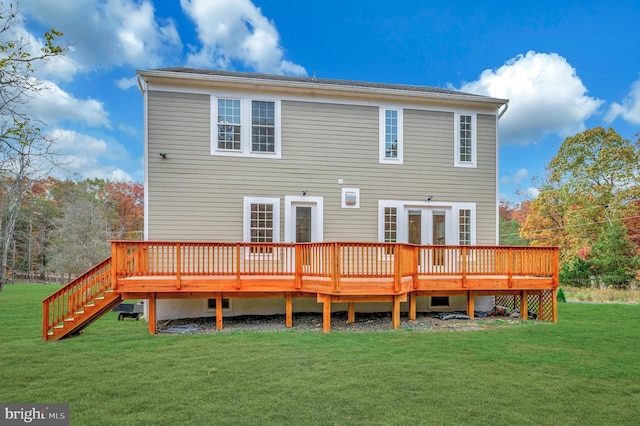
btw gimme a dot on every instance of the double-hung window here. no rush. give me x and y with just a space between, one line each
261 220
391 130
245 127
229 125
465 140
263 126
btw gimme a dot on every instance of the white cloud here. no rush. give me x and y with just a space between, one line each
629 110
545 97
531 193
236 30
81 156
126 83
52 105
517 178
105 33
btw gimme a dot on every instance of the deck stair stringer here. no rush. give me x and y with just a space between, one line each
79 303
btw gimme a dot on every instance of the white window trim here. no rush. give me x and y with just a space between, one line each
382 135
400 231
289 200
245 127
246 232
456 219
402 206
474 140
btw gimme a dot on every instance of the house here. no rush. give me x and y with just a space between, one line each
267 158
318 191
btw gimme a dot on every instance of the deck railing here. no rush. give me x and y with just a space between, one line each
330 260
73 297
487 260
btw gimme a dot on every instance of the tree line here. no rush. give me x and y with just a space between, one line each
63 227
589 206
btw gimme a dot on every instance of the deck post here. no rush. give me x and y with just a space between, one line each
412 306
238 266
464 269
218 311
351 315
288 311
336 268
524 305
471 304
178 266
326 314
114 265
144 260
416 262
395 312
152 313
298 254
45 319
398 267
509 268
554 304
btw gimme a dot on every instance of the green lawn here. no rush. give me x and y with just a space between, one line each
585 370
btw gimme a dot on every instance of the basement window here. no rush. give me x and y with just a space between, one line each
440 301
211 304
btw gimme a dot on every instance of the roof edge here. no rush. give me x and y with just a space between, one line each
317 84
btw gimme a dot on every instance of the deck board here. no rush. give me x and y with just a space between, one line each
324 285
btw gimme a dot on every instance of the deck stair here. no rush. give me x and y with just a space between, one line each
79 303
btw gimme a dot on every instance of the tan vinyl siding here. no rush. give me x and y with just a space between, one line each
193 195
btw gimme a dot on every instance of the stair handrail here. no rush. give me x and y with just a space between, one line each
79 292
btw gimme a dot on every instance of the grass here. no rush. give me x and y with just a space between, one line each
583 370
605 295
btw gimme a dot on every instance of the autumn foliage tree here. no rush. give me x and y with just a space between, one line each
511 217
64 226
591 187
23 145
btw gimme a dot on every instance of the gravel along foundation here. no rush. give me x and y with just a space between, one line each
313 322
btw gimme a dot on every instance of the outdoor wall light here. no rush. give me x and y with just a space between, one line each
163 154
304 192
429 197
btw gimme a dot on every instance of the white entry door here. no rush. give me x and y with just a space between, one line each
303 219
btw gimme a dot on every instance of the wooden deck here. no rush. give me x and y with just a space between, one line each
328 272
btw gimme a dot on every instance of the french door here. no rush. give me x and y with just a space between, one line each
429 226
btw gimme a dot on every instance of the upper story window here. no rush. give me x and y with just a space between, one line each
263 126
245 127
391 130
229 124
465 140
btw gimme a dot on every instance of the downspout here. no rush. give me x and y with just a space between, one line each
140 85
500 114
506 107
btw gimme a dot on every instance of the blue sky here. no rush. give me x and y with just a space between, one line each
564 65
